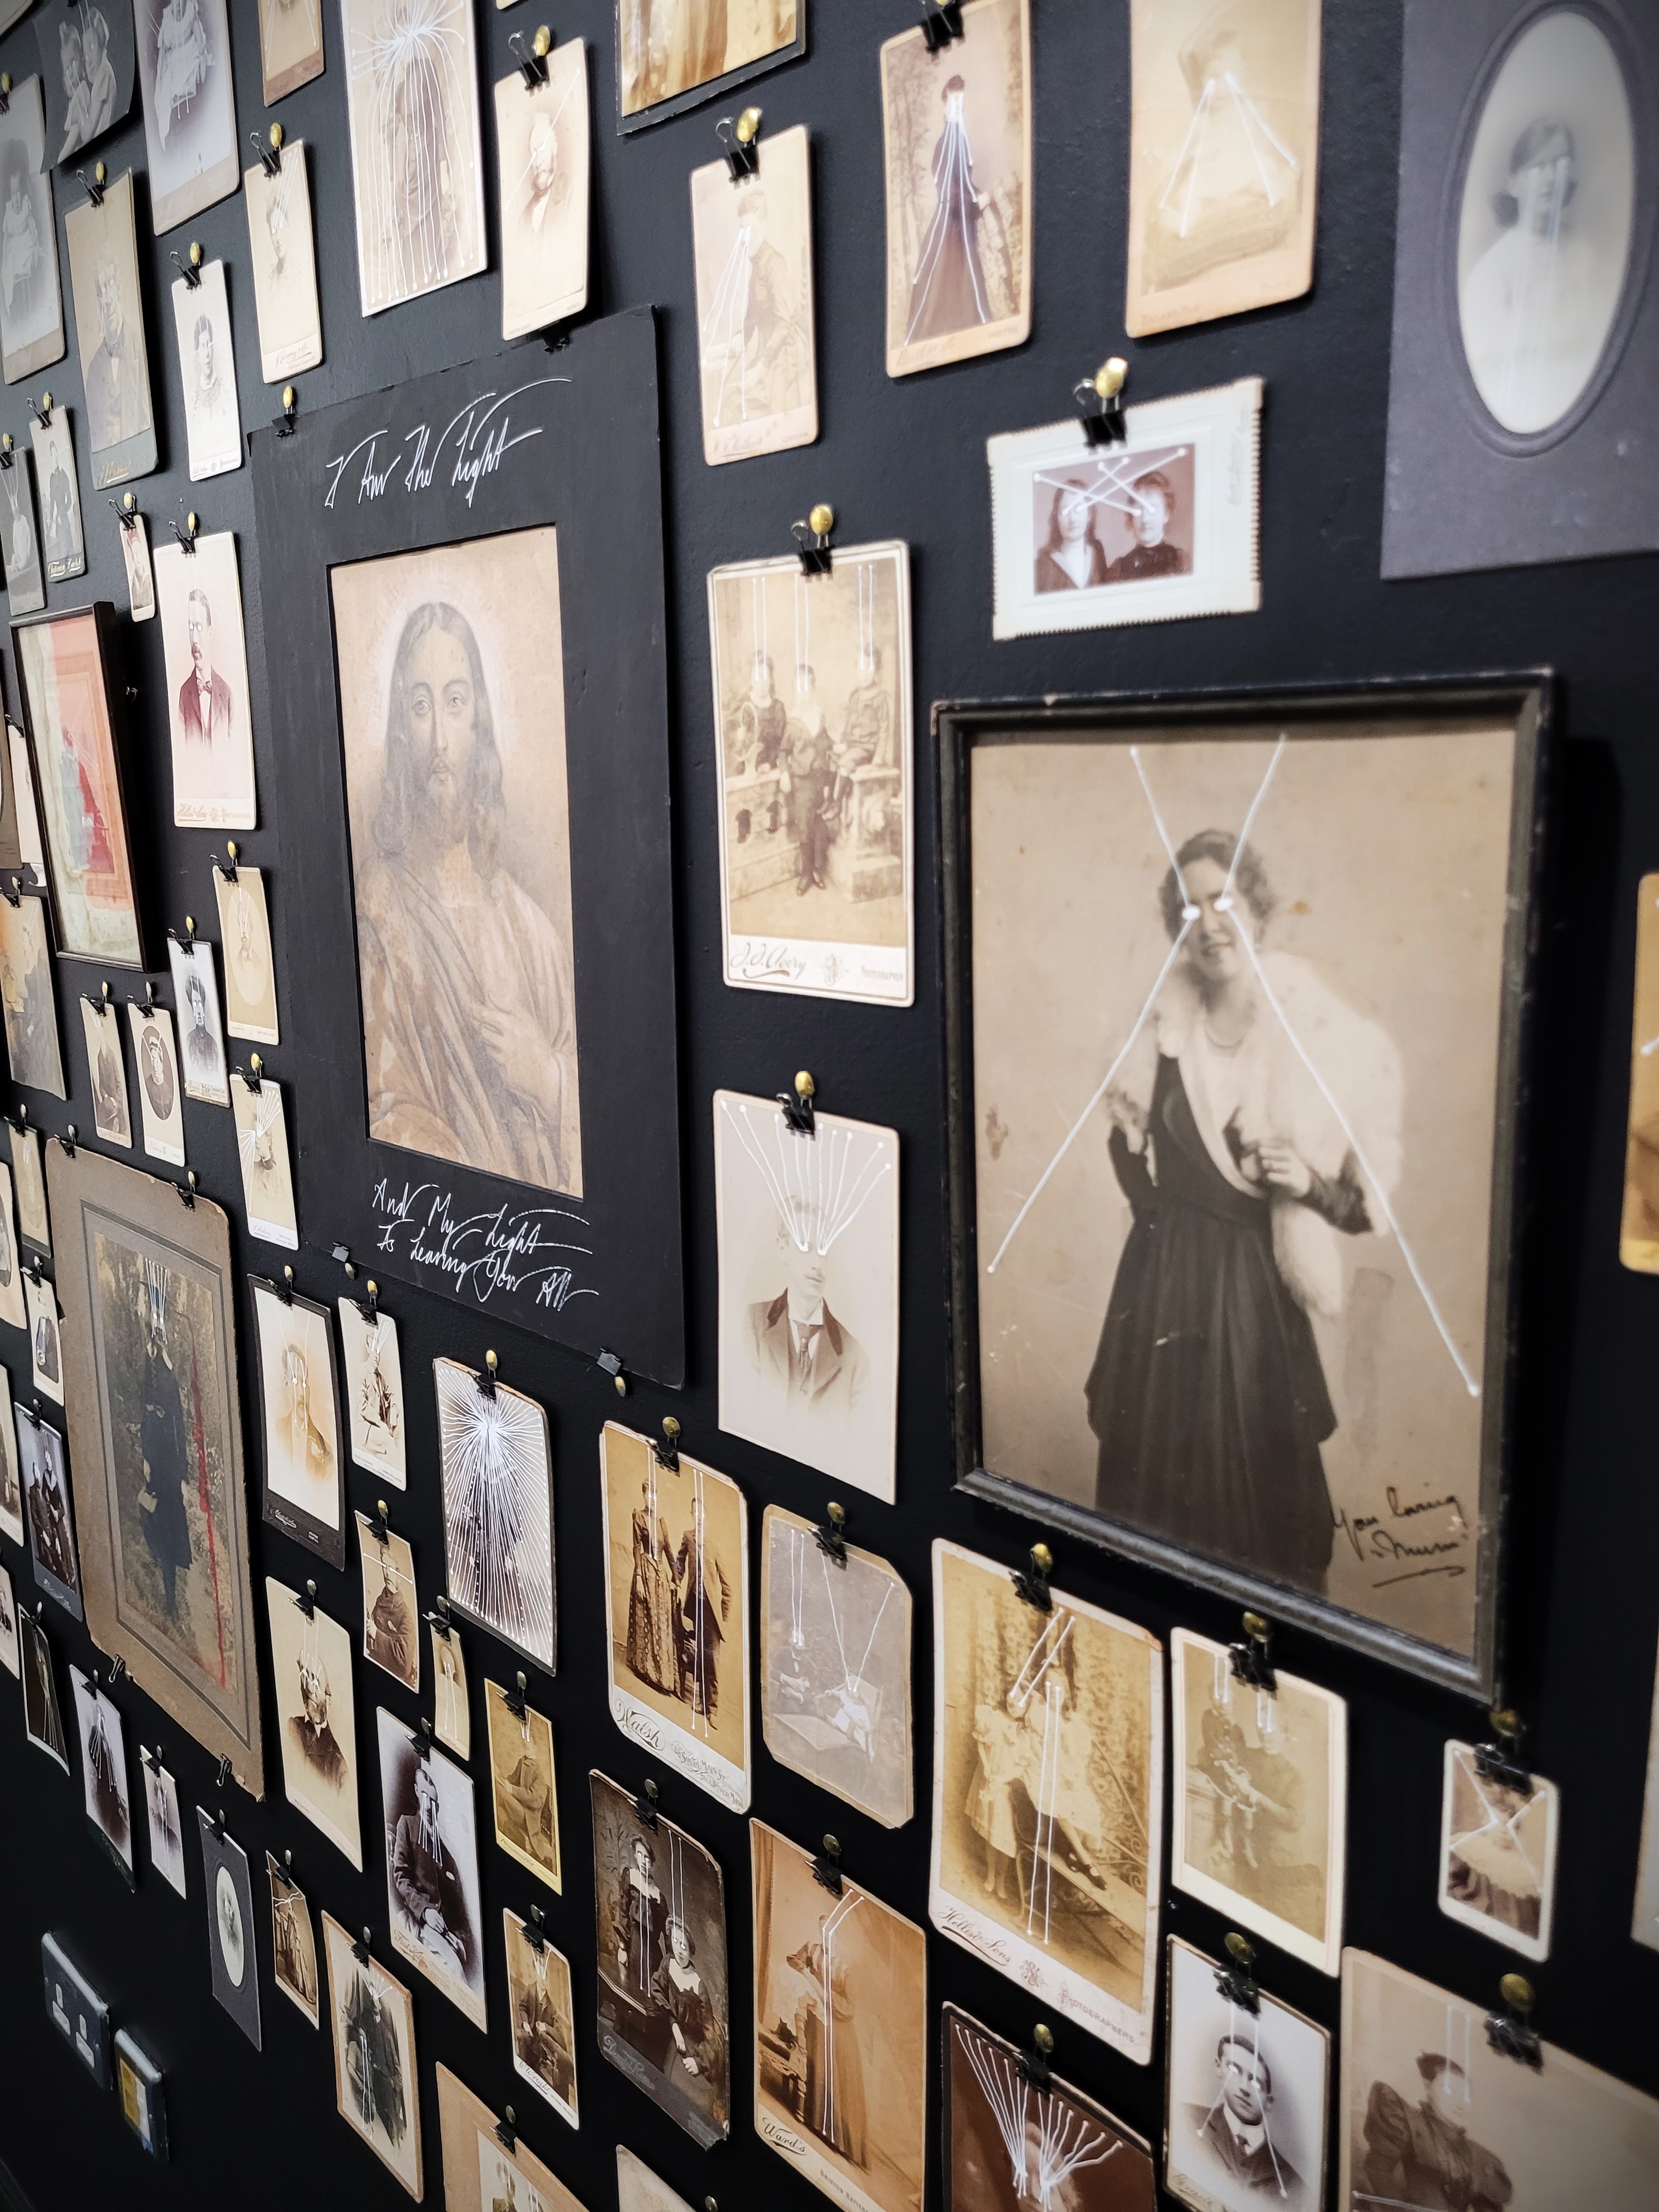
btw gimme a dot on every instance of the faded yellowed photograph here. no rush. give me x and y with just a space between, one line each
524 1783
250 968
1498 1842
668 48
542 167
1638 1228
752 243
284 260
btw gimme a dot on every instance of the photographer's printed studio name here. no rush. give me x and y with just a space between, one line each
482 1255
472 446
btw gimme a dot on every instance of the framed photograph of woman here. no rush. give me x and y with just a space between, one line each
1269 1127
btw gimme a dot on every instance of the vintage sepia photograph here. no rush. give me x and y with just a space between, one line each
454 757
160 1094
200 598
28 996
1158 528
46 1337
451 1721
638 2189
14 1311
665 2002
28 1178
487 2165
1644 1913
1224 158
392 1605
43 1723
233 1953
109 329
47 1509
267 1177
292 1945
11 1480
524 1782
1048 1795
1246 2091
416 154
836 1667
310 1665
1638 1228
372 2023
190 107
63 535
542 2016
808 1234
250 967
1497 1843
956 122
496 1463
31 288
751 243
432 1865
11 1656
27 821
104 1771
283 252
290 45
840 2031
304 1481
87 59
1014 2143
812 699
166 1827
140 571
676 1612
542 167
106 1072
1261 1800
207 365
1428 2107
374 1388
674 54
201 1038
26 582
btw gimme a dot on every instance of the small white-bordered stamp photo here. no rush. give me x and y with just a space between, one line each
1498 1838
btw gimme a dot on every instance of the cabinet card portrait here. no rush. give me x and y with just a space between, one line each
544 163
293 1944
29 997
674 54
1010 2143
290 46
202 1040
26 582
1048 1796
190 107
11 1480
155 1426
14 1309
1224 158
109 329
840 2031
432 1865
106 1072
808 1234
284 255
374 1389
31 288
1498 1843
1261 1800
267 1179
207 365
958 128
200 598
250 969
1638 1232
87 62
542 2016
104 1771
638 2189
43 1724
416 154
161 1096
141 574
1247 2096
392 1605
665 2009
836 1667
676 1612
67 667
376 2086
1307 1161
497 1464
452 717
1427 2106
29 1183
233 1953
1644 1913
28 821
452 1710
63 535
46 1337
757 349
486 2167
524 1782
304 1481
310 1665
815 764
166 1827
51 1517
11 1657
1153 530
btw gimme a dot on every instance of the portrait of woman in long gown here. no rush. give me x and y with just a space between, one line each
653 1649
835 2105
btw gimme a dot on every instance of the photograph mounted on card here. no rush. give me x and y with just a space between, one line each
262 1144
27 822
140 572
751 241
233 1952
87 58
46 1508
283 252
672 55
63 535
207 365
1155 529
29 1181
496 1462
201 1038
392 1605
26 582
957 125
43 1723
104 1771
1013 2140
1247 2085
490 1064
377 2087
815 762
11 1478
304 1481
451 1719
804 1220
524 1782
1231 1115
109 329
250 966
676 1612
544 163
311 1663
542 2014
160 1094
46 1337
1638 1232
106 1072
487 2168
290 45
190 107
31 288
1644 1911
11 1656
293 1944
432 1865
14 1309
374 1388
166 1827
28 995
200 597
155 1426
1499 1829
638 2189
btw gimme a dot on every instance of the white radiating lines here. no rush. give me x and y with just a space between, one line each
1066 2142
955 188
1116 479
818 1185
410 64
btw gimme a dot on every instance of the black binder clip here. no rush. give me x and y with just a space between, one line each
98 1003
514 1699
940 24
95 190
190 269
797 1115
7 455
147 1003
284 1290
14 891
381 1525
283 424
1510 2031
666 1452
1033 2064
611 1364
1236 1983
831 1534
186 937
535 1929
187 1190
5 93
118 1666
826 1866
223 1775
152 1759
67 1140
1101 398
227 867
812 539
20 1120
126 511
306 1600
439 1622
370 1304
216 1822
360 1949
487 1375
269 150
41 410
186 539
531 58
504 2127
1251 1660
1500 1762
645 1807
741 143
422 1741
1032 1584
253 1074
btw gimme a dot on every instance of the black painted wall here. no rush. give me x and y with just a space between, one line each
903 460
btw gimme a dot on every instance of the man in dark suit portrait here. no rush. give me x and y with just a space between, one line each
1235 2128
428 1880
311 1737
203 696
118 402
813 1360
